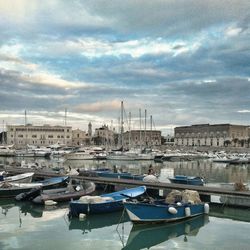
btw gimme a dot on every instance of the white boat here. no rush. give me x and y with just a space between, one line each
80 155
6 150
32 151
121 156
20 178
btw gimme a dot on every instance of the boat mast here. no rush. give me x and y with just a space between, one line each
122 123
25 124
140 126
145 127
151 124
129 128
65 124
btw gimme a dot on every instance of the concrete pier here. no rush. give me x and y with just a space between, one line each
203 190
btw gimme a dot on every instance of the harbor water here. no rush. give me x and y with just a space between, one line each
26 226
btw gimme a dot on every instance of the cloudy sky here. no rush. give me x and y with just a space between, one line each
185 62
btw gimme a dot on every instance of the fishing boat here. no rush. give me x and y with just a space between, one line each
188 180
9 189
105 203
20 178
162 211
144 236
108 173
69 193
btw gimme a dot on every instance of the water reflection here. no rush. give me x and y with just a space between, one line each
97 221
24 208
146 236
213 172
239 214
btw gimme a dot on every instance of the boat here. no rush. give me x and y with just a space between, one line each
20 178
226 160
33 151
144 236
188 180
108 173
12 189
69 193
8 189
121 156
188 205
7 150
95 153
105 203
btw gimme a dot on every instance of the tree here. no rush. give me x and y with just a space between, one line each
227 143
235 141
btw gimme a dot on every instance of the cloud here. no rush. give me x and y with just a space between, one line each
162 56
243 111
98 106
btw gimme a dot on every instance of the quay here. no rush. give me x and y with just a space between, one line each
203 190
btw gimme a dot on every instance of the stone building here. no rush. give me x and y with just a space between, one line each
215 135
135 138
21 135
104 136
80 138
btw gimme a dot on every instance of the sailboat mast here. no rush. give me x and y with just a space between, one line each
140 126
145 137
129 128
122 123
151 125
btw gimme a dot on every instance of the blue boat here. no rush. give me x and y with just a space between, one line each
188 180
54 182
108 173
105 203
177 206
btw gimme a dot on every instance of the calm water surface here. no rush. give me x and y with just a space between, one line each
27 226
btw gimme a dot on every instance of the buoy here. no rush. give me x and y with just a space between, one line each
179 204
206 208
172 210
50 203
187 211
82 216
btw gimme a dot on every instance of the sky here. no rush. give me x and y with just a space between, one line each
184 62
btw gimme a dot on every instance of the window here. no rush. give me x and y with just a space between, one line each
34 136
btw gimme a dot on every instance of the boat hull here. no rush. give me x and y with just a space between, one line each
61 196
115 203
149 213
187 180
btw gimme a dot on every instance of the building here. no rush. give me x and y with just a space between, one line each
104 136
135 138
21 135
215 135
80 138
